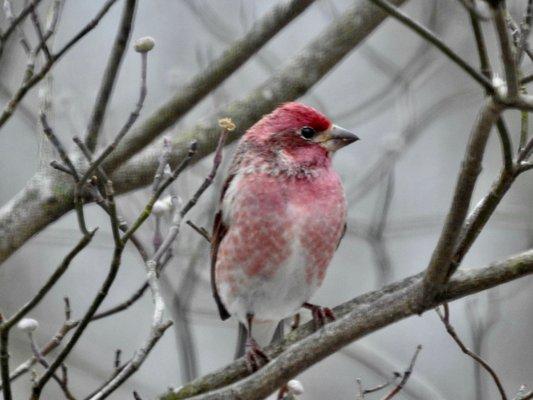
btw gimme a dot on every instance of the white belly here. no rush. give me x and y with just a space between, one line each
271 298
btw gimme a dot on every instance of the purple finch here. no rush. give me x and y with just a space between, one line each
281 218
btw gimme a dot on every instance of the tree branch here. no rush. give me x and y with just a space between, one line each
439 44
355 319
110 74
445 318
405 376
15 22
507 55
30 79
438 268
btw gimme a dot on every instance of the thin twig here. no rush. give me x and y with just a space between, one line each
98 299
78 200
445 318
525 28
62 382
486 70
200 229
22 36
58 145
480 215
507 56
148 208
163 162
405 376
125 128
51 281
110 74
16 21
7 324
60 167
31 81
174 230
158 326
40 34
439 44
471 6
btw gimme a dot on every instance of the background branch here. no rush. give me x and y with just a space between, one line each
110 74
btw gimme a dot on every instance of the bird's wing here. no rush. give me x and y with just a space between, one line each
342 234
220 230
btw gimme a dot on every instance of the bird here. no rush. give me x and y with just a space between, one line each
281 216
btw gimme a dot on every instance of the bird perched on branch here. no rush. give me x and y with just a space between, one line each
282 215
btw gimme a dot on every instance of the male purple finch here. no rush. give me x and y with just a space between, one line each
281 218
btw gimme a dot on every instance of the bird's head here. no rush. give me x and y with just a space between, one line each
300 132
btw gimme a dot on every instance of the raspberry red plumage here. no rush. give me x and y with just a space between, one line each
282 215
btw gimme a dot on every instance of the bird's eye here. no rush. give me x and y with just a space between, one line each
307 132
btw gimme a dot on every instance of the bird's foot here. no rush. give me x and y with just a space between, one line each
320 314
255 356
282 392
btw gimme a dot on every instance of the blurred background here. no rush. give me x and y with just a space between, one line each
413 110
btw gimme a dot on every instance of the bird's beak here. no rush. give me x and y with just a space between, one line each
335 138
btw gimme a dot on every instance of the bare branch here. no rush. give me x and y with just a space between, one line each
400 142
78 201
166 183
6 325
40 34
405 376
158 324
22 36
16 21
355 319
125 128
445 318
480 215
437 270
52 280
46 349
58 146
507 55
200 229
32 79
471 6
176 223
134 364
439 44
110 74
98 299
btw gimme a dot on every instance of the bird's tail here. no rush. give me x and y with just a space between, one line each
264 333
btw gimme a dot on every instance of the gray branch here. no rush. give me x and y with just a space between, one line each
356 318
438 268
111 74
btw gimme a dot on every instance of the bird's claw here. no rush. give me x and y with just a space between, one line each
255 357
320 314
